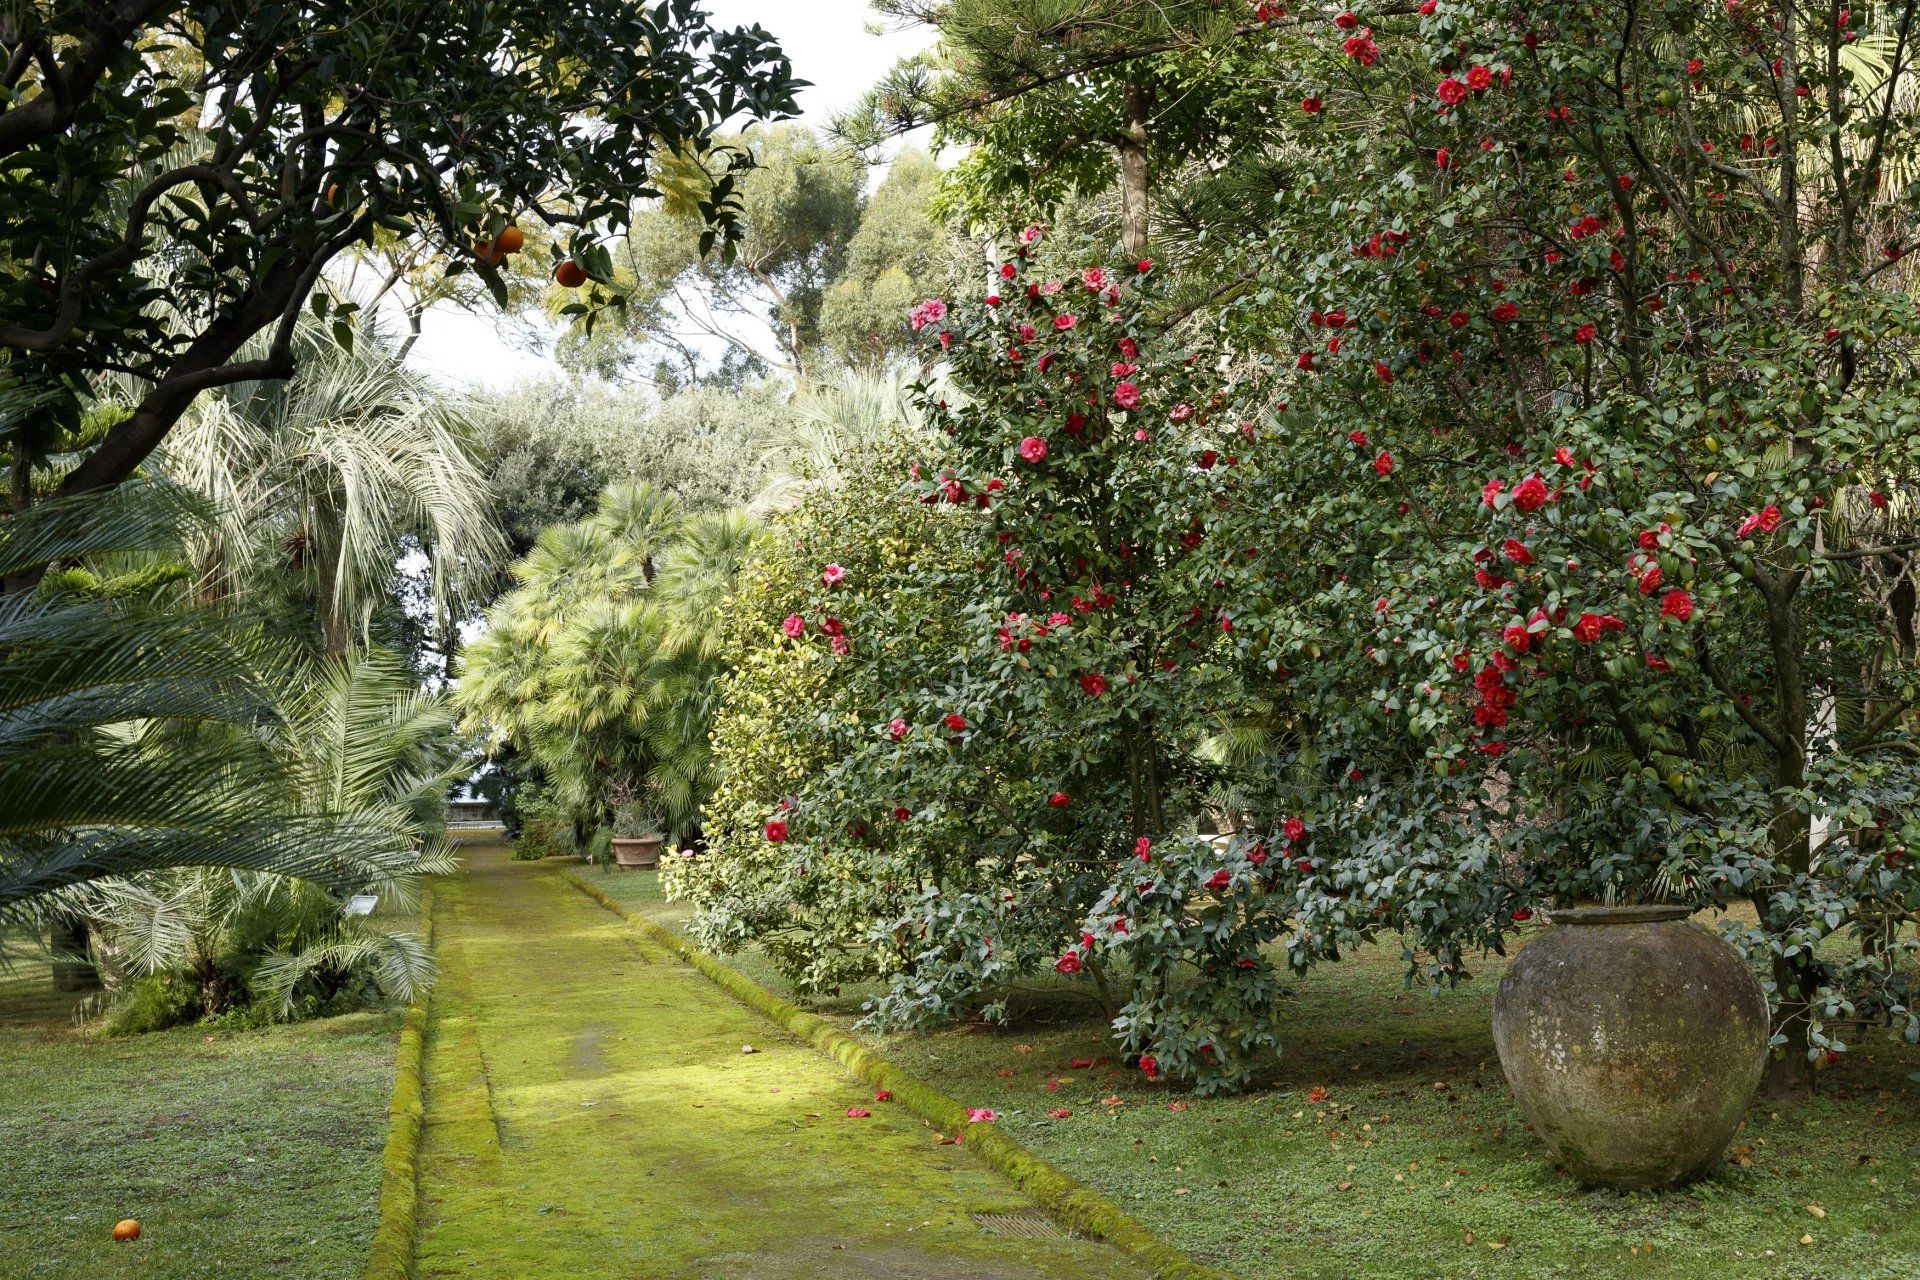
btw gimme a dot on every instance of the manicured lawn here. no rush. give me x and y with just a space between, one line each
252 1153
1418 1164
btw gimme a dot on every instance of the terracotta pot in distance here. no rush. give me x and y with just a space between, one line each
637 852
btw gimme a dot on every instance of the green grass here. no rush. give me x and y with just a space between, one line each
252 1153
1418 1164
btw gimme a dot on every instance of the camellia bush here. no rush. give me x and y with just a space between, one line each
1530 515
1592 447
989 674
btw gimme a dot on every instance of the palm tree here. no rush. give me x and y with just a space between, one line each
836 419
362 740
136 734
327 479
601 666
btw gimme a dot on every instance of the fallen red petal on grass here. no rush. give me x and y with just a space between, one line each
858 1113
1060 1113
883 1095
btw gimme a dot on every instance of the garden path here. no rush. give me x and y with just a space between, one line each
590 1113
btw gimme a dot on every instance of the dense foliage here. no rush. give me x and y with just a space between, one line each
1533 521
599 666
215 158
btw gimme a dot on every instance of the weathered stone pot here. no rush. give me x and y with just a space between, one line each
1633 1040
635 852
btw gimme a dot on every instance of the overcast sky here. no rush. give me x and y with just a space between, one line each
830 44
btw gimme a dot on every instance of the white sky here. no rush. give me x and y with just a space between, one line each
830 44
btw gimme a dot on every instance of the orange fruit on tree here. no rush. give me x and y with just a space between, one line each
487 252
570 274
126 1229
510 240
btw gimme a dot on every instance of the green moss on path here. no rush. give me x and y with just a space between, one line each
590 1114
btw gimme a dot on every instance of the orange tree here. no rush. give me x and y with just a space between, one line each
1595 453
175 178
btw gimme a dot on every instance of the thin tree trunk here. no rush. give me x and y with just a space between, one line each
1136 104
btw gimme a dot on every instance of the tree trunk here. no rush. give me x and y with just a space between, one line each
1136 103
72 965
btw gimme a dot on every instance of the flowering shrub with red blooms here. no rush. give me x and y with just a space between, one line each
1622 616
817 706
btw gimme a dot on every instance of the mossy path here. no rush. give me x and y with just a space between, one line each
590 1114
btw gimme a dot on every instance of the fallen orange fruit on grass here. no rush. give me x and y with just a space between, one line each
126 1229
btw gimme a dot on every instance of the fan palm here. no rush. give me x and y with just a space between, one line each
601 665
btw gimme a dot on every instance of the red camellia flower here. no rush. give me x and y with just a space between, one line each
1479 78
1033 449
776 832
1459 320
1384 463
1068 963
832 574
1143 849
956 722
1310 105
902 813
896 728
1384 372
1151 1067
1586 333
1878 499
1294 829
1530 494
1516 551
1093 684
1452 92
1523 914
1591 626
1059 800
1517 637
1317 1094
1505 312
795 626
1765 520
1677 604
1126 395
1347 21
1220 879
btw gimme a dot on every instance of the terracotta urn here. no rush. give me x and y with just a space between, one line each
1633 1040
636 852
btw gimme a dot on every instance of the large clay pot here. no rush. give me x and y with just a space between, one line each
635 852
1633 1040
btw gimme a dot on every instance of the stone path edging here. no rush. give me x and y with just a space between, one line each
1064 1196
393 1239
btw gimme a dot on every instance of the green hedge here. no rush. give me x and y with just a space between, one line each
1065 1197
393 1238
